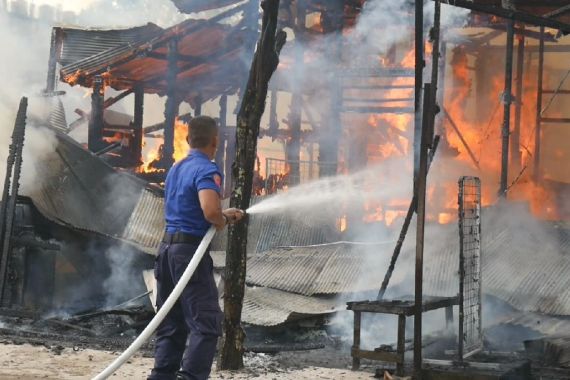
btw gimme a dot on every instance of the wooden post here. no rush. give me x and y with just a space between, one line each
138 123
418 83
265 62
505 131
198 109
516 135
222 136
295 115
401 349
449 317
328 144
356 340
421 186
10 195
537 136
171 107
96 122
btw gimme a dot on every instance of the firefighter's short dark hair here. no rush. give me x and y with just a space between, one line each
201 131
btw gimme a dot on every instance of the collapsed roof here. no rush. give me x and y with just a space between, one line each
211 56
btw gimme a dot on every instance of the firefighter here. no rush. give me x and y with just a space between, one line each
192 205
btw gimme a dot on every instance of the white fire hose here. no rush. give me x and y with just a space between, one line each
164 309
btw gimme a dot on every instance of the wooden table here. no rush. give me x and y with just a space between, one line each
401 308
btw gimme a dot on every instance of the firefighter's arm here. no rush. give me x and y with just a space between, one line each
212 208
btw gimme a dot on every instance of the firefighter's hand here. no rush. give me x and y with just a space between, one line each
233 215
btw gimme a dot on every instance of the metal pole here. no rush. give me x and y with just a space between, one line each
516 136
537 136
507 95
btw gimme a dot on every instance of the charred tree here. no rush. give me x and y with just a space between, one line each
264 63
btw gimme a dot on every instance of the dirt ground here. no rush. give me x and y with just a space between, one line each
26 362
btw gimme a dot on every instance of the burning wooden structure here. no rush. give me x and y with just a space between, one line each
382 105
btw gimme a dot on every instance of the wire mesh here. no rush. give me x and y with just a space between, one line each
281 174
471 334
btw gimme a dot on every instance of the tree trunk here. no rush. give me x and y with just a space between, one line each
264 63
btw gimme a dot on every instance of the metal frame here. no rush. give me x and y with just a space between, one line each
470 335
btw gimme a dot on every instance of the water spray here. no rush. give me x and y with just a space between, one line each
164 309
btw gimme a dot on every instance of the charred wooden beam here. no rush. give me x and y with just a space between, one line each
510 14
222 138
522 31
558 12
507 99
10 195
109 102
137 143
418 81
364 109
516 135
265 62
329 143
160 126
421 187
198 106
96 122
273 123
426 142
460 135
296 110
171 107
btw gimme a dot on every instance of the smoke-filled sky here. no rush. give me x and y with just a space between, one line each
68 5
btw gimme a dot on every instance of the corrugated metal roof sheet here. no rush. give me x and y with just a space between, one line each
322 269
271 307
271 231
146 224
544 324
81 191
78 44
526 263
526 266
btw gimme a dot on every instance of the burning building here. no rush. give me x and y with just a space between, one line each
349 93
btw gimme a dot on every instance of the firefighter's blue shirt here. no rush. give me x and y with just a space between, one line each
184 180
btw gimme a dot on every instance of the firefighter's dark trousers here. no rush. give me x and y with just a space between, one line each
196 315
